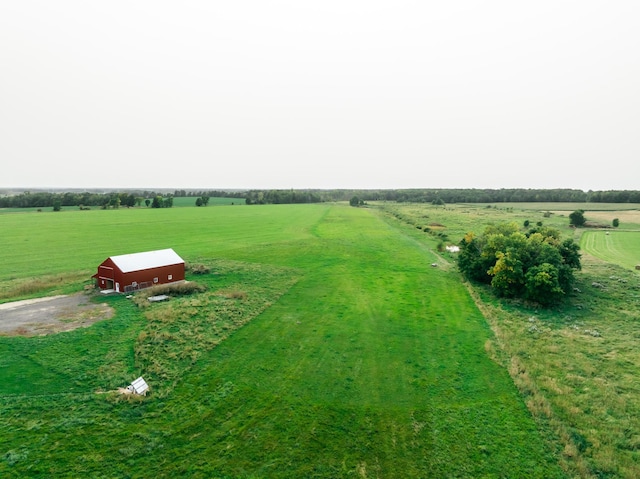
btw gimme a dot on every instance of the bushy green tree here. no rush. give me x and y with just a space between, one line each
577 218
537 266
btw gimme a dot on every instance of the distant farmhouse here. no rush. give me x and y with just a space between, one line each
130 272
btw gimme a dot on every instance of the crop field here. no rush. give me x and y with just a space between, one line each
325 345
617 247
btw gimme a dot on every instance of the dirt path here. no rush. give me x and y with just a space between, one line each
53 314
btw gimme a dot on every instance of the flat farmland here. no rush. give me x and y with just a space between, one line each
356 357
45 243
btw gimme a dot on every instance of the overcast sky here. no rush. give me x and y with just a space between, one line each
322 94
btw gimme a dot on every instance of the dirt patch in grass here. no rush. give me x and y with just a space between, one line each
53 314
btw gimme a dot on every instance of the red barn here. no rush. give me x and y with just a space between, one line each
129 272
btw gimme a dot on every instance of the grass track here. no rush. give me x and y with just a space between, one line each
372 365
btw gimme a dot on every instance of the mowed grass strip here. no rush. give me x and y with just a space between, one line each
617 247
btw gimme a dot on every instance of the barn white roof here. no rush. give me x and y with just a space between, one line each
148 259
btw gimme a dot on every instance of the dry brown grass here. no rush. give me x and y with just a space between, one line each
26 287
234 294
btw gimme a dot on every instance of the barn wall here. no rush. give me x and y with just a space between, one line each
106 274
164 274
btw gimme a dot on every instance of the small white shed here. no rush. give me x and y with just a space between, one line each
139 386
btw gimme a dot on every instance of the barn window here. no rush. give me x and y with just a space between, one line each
155 280
170 277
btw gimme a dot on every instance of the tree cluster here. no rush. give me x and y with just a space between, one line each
84 199
263 197
202 201
537 265
444 196
355 201
209 193
160 202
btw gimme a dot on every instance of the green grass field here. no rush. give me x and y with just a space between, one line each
355 356
617 247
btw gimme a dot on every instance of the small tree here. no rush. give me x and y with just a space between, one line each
616 222
577 218
355 201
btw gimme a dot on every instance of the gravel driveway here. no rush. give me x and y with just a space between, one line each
53 314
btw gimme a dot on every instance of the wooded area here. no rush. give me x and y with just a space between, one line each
43 199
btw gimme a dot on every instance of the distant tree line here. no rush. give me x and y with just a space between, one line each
209 194
515 195
85 200
443 196
279 196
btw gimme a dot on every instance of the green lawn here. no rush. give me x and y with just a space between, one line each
371 364
617 247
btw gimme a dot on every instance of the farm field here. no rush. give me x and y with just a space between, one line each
326 345
355 356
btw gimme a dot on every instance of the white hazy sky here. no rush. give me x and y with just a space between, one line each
322 94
